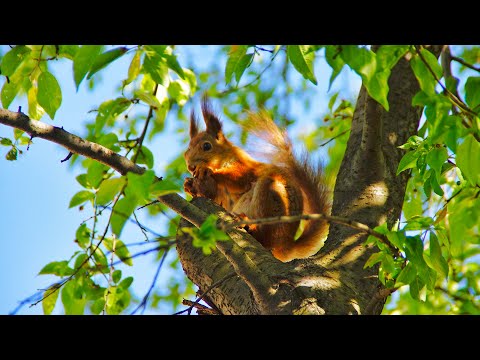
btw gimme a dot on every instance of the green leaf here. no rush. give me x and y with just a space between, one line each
145 156
35 111
416 287
179 91
148 98
234 56
438 261
73 298
116 276
82 236
95 173
81 197
332 100
467 159
101 260
81 261
435 185
12 59
122 211
157 68
373 259
425 78
109 111
418 223
58 268
121 250
98 306
6 142
117 300
406 276
125 283
163 187
397 239
83 61
436 158
50 297
9 92
68 51
414 252
472 92
158 49
332 55
134 68
388 55
12 154
108 189
103 60
432 62
173 64
408 161
82 180
377 87
302 58
49 93
361 60
244 62
138 185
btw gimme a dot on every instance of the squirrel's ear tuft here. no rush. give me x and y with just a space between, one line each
193 124
214 126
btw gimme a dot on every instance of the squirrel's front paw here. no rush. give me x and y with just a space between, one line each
188 186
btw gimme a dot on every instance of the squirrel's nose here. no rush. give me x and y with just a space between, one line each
191 168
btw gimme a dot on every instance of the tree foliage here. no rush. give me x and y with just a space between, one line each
437 267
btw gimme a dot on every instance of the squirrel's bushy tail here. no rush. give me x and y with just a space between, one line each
309 177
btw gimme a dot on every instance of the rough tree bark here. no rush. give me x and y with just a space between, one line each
247 279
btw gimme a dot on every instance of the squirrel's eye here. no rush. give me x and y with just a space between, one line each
207 146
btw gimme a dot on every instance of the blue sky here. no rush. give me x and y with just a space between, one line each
36 226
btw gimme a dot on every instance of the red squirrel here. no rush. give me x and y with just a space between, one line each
284 185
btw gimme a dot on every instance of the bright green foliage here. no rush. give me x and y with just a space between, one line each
102 60
207 235
302 58
109 189
83 61
121 250
50 299
49 95
80 198
237 63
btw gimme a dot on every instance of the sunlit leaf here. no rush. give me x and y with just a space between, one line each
302 58
49 94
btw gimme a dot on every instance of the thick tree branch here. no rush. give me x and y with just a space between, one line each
73 143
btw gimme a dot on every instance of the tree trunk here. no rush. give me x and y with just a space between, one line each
334 280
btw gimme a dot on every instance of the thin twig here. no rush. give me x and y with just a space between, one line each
464 63
150 203
228 91
211 287
110 277
140 226
201 309
144 131
455 99
89 257
333 138
155 278
330 218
